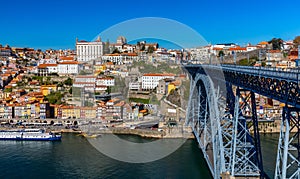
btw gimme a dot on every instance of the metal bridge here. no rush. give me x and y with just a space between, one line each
222 113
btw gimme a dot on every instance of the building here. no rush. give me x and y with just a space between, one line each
151 80
47 89
120 59
105 81
134 86
46 69
274 57
87 51
68 67
162 86
88 112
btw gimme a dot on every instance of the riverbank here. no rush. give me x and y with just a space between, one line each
146 133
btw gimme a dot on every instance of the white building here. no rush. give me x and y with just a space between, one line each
87 51
71 67
105 81
85 78
120 59
84 85
150 81
45 69
251 48
134 86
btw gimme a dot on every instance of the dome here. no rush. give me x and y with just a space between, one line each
121 40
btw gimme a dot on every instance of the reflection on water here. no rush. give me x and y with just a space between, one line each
269 151
74 157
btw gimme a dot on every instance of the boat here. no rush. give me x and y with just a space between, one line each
29 134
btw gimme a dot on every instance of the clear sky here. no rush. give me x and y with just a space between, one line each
56 23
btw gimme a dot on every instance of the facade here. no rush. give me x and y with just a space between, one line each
71 67
105 81
134 86
151 80
85 78
87 51
274 57
120 59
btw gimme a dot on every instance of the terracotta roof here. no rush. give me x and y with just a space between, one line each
217 48
105 78
46 65
68 63
238 48
66 58
274 51
158 74
85 76
263 43
130 54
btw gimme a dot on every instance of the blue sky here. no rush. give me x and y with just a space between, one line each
56 23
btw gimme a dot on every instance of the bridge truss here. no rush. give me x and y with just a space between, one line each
225 123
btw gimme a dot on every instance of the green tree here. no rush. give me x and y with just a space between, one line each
54 97
143 47
116 50
68 82
82 72
276 43
150 49
8 90
297 41
221 53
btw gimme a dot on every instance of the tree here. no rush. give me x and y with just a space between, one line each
143 47
116 50
276 43
150 49
221 53
8 90
68 82
297 41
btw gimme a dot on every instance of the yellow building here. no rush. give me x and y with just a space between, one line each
99 68
171 87
47 89
88 112
70 112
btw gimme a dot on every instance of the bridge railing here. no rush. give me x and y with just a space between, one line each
291 74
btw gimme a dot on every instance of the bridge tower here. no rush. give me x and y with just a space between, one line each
222 130
288 152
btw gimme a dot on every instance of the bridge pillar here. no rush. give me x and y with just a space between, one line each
245 160
288 152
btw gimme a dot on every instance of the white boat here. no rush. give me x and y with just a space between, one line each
29 134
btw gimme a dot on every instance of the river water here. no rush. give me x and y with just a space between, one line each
75 157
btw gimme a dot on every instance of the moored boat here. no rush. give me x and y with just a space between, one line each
29 134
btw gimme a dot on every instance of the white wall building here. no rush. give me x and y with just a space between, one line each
150 81
251 48
105 81
71 67
87 51
85 78
134 86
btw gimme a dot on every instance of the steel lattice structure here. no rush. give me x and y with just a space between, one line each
222 120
